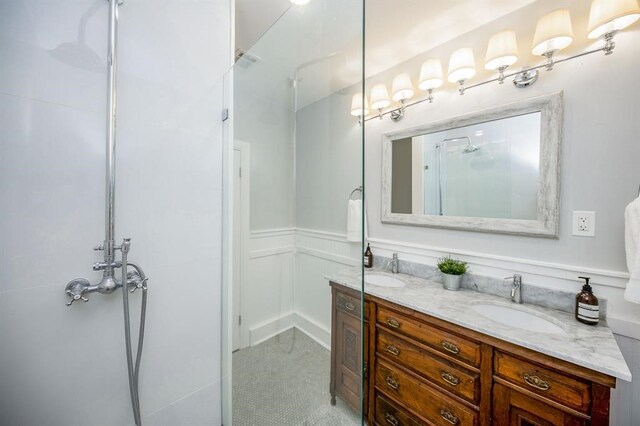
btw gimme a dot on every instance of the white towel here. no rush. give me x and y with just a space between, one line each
632 246
354 221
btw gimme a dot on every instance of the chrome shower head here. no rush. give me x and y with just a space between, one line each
470 148
78 55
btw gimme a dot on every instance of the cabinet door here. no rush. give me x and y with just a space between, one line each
348 358
514 408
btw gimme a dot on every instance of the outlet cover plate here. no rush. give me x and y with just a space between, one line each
584 224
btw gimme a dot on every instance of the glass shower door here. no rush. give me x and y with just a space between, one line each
297 158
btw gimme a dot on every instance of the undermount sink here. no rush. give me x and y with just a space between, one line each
517 318
383 281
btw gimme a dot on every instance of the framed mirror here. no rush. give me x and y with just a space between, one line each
491 171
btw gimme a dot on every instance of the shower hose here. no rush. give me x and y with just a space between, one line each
133 370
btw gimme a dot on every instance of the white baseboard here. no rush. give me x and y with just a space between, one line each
314 330
269 329
272 328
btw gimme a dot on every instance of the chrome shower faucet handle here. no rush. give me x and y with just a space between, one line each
135 281
75 290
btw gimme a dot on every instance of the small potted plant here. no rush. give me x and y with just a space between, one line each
452 271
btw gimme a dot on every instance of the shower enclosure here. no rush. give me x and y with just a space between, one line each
67 365
297 156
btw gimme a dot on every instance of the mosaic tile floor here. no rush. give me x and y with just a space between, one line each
285 381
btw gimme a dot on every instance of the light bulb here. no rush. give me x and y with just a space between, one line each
609 16
379 97
402 88
430 75
553 32
462 65
357 108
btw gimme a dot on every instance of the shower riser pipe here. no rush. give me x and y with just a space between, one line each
110 178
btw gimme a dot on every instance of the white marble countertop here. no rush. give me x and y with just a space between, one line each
593 347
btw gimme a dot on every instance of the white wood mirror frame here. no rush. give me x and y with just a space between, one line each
546 224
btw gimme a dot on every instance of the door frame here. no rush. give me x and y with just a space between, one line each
244 217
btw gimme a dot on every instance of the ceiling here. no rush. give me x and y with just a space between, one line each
321 42
254 17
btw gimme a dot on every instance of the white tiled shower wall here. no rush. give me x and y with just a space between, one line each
66 366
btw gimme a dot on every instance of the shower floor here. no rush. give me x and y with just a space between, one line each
285 381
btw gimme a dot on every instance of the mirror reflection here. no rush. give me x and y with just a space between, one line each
489 170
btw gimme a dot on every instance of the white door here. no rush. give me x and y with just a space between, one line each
237 246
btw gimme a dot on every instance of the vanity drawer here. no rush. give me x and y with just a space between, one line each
558 387
388 414
447 343
439 409
349 304
444 374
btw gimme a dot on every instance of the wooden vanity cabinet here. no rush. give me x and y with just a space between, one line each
425 371
347 332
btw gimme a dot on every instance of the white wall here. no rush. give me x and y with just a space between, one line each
66 366
266 124
599 172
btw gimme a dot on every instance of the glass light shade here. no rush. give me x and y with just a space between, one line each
502 50
300 2
402 88
357 109
553 32
607 16
462 65
431 75
379 97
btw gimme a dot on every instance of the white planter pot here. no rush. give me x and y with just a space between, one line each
452 282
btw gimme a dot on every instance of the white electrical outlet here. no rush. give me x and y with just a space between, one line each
584 224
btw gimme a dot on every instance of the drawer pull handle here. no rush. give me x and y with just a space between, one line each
393 350
536 382
450 347
393 323
365 368
450 378
393 383
448 416
350 306
391 419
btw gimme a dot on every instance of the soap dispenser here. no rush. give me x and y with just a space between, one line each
368 257
587 307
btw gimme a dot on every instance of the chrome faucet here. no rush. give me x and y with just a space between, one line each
516 289
392 265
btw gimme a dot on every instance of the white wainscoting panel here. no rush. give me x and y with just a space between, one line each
625 410
267 285
319 254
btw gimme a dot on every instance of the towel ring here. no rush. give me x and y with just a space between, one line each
358 189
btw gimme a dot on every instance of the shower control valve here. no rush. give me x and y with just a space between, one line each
99 266
135 281
99 247
75 290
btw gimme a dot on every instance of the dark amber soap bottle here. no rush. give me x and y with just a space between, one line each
587 306
368 257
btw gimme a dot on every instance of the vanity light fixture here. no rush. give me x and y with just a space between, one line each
430 77
462 66
357 108
607 17
502 52
554 32
379 98
402 90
